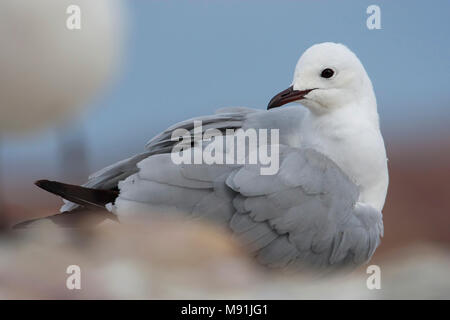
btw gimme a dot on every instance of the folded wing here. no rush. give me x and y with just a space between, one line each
307 214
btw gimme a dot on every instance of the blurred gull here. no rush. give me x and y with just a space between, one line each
321 209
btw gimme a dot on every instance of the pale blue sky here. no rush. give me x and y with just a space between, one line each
187 58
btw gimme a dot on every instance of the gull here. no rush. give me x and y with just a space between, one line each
321 209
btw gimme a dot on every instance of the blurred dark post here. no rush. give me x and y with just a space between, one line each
73 154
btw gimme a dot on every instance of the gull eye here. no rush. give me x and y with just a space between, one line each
327 73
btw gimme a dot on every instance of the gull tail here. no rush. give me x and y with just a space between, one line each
92 202
86 197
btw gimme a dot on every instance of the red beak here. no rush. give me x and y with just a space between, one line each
286 96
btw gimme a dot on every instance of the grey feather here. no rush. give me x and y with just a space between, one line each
306 215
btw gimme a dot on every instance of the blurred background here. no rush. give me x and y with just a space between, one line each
74 101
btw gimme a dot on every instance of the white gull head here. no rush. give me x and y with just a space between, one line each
336 77
342 122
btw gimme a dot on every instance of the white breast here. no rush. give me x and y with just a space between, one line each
355 144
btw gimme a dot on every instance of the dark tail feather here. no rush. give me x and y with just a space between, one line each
86 197
93 203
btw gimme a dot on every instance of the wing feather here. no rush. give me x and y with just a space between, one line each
307 214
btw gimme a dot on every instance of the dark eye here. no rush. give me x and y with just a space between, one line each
327 73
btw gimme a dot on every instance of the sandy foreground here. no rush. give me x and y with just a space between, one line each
172 259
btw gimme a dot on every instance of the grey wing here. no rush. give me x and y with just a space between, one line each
109 177
286 120
305 215
225 118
